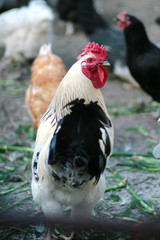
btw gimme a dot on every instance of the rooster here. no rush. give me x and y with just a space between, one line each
47 72
143 57
74 140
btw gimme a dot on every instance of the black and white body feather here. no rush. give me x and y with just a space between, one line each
78 150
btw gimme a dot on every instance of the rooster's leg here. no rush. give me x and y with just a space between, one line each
53 210
49 234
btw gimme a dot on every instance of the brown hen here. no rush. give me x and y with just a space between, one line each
47 72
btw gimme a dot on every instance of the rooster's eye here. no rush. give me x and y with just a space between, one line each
90 60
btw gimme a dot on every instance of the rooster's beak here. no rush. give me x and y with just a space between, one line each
105 63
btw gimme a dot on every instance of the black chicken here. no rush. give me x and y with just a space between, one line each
82 12
143 57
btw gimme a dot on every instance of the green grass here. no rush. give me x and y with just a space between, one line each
132 108
13 87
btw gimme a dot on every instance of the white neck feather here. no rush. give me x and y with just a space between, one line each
76 85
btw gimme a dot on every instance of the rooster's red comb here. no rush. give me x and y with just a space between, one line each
94 48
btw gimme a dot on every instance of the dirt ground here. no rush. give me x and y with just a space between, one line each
119 96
